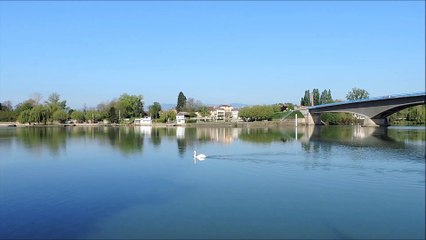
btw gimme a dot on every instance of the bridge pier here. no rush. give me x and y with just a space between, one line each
375 122
311 118
317 118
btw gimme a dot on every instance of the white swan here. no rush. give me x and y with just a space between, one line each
199 157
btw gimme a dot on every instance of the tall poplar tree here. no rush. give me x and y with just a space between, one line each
181 102
326 97
306 100
316 96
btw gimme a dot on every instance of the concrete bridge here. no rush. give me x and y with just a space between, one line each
374 110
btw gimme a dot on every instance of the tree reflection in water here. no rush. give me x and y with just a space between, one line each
131 139
37 138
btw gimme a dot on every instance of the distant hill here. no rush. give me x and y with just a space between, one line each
239 105
235 105
167 106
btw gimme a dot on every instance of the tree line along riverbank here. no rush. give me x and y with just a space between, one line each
287 122
128 107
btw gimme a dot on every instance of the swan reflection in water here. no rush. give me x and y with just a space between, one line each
199 157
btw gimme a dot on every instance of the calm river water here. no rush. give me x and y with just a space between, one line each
142 182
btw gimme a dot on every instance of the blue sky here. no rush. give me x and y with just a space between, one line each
217 52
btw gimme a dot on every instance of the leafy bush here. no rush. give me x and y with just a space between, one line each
257 113
167 115
8 116
78 116
60 116
338 118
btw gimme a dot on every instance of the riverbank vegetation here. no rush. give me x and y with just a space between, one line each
410 116
127 107
56 110
268 112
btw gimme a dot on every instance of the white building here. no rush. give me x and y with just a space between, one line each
180 119
227 108
220 114
234 115
143 121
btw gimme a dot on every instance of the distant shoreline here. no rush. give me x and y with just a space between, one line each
284 123
201 124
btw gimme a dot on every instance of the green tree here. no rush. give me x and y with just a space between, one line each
23 111
421 115
24 116
130 105
326 97
316 96
416 115
338 118
154 110
78 116
357 94
329 98
93 116
60 115
112 115
277 107
306 100
409 116
181 102
8 116
38 114
108 110
166 116
323 97
257 113
26 105
54 104
204 111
